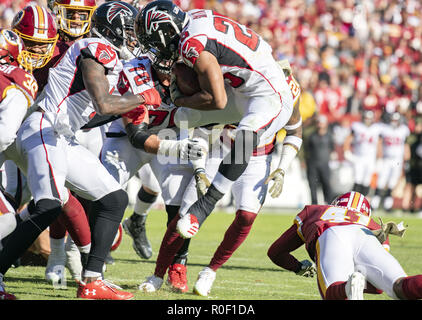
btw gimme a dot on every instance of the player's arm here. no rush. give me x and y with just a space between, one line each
279 253
97 85
12 112
213 94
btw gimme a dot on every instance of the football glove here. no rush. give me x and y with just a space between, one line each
278 177
307 269
174 89
389 228
202 182
186 149
137 114
151 97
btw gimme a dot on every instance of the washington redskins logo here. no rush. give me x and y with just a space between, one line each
117 9
154 18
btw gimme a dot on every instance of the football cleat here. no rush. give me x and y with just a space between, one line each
102 290
55 271
177 280
151 284
73 259
3 294
187 226
355 286
135 228
204 283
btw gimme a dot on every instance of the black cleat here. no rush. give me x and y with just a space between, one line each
135 228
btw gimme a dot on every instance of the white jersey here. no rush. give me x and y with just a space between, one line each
136 77
365 139
393 141
245 59
66 103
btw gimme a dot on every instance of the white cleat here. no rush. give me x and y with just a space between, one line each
151 284
55 271
355 286
187 226
204 283
73 259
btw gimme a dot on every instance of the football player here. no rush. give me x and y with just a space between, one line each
221 51
362 148
18 90
249 193
393 137
350 250
78 87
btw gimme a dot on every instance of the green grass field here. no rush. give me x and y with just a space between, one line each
248 275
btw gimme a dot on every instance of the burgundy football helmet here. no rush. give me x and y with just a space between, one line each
74 16
11 47
355 201
37 28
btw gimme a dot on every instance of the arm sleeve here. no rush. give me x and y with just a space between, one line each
12 112
279 252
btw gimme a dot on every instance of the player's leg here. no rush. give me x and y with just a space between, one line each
379 267
90 179
45 156
135 224
395 174
255 127
335 266
384 174
174 179
249 193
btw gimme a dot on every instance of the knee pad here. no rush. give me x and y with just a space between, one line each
245 218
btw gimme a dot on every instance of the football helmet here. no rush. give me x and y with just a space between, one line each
114 22
354 201
37 28
68 22
158 28
11 47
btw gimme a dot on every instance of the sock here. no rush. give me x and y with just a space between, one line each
144 202
233 238
170 245
57 245
203 207
76 222
412 287
336 291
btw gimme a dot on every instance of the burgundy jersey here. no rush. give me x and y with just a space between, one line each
15 77
313 220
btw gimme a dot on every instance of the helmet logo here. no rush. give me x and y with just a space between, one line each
18 17
117 9
11 37
154 18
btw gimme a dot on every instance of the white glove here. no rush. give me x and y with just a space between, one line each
186 149
202 182
348 155
308 269
174 89
389 228
278 177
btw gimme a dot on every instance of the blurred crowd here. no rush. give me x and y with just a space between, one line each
348 55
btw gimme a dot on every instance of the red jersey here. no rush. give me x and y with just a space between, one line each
15 77
313 220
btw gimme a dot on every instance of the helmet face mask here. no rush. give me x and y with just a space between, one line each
74 16
158 27
37 28
114 21
354 201
11 47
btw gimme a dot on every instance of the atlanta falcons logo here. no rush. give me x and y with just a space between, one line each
118 9
154 18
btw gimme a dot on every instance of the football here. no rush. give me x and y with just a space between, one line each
186 79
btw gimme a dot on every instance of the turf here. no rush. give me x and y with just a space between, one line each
248 275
